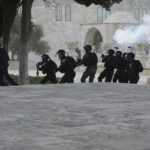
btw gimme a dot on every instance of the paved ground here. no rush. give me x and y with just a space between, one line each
75 117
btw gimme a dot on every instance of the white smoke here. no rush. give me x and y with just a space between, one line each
132 35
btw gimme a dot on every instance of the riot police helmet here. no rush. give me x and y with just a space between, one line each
111 52
61 52
88 48
131 55
118 53
45 57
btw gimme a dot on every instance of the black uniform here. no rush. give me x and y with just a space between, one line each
67 67
134 68
89 60
110 65
121 74
49 68
4 58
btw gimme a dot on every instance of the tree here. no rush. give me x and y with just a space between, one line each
14 45
8 9
26 29
7 13
36 45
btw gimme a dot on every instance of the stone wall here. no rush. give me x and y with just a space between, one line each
62 34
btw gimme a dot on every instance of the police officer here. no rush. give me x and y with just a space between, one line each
121 66
134 68
110 65
67 66
48 67
89 60
4 58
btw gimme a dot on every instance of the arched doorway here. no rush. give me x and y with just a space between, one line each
94 38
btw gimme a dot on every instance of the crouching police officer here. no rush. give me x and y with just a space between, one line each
89 60
48 67
67 66
110 65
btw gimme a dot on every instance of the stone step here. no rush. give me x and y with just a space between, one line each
98 116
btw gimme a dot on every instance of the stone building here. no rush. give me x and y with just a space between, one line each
69 25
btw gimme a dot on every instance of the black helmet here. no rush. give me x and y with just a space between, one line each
88 47
111 52
131 55
119 53
45 57
62 52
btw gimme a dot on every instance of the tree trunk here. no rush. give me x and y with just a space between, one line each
12 56
6 29
25 37
8 16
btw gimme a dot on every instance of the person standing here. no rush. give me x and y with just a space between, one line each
110 65
134 68
89 60
121 66
4 58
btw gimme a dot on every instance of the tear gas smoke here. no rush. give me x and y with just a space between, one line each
134 34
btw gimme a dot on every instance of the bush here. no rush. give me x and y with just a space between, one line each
33 79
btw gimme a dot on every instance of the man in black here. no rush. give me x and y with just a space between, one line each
134 68
4 58
48 67
89 60
110 65
121 65
67 67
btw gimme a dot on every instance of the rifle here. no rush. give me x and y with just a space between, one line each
38 67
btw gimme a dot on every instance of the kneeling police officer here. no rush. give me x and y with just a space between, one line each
48 67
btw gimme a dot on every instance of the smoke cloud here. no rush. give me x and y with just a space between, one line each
133 35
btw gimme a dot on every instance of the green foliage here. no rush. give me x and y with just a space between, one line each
33 79
37 45
14 44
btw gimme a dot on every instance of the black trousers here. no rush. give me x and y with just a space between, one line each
89 72
124 77
68 77
49 77
134 79
107 74
2 81
9 78
5 76
121 76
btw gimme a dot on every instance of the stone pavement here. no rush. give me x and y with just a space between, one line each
75 117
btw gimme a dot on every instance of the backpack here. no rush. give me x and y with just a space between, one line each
110 62
139 66
72 63
91 60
